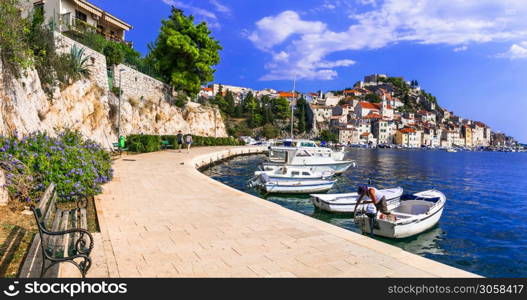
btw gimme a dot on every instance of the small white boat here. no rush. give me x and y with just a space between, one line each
452 150
415 214
345 203
295 173
298 186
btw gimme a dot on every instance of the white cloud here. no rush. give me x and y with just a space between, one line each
459 23
201 13
192 9
516 51
275 30
220 7
461 48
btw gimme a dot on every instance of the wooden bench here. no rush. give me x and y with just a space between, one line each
118 149
63 234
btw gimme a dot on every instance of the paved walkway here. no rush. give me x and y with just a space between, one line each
160 217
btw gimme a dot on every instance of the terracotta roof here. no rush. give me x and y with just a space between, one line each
315 106
375 106
207 89
407 130
372 115
368 105
287 94
346 128
365 134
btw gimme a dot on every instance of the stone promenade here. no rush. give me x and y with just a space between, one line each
160 217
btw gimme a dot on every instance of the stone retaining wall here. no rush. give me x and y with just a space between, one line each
140 87
96 62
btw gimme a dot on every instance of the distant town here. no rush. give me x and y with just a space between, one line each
380 111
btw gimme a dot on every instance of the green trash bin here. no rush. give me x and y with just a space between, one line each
122 142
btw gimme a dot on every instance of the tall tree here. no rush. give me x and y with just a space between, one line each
184 53
301 114
229 98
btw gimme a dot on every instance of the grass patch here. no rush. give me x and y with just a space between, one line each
16 234
17 231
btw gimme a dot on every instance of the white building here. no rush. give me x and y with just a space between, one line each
80 15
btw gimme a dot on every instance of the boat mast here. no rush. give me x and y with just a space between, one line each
292 106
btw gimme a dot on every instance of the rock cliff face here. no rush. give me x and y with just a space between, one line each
93 110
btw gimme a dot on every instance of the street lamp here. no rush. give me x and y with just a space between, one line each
119 110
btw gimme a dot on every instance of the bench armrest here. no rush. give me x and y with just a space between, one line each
80 242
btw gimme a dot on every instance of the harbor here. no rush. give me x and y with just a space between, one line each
161 217
477 232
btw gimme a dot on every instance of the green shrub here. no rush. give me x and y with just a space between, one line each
16 53
75 165
114 54
143 143
150 143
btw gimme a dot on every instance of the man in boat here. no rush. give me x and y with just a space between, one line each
376 204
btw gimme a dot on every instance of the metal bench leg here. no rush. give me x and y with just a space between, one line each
83 266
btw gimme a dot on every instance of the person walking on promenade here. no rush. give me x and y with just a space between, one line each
179 140
188 140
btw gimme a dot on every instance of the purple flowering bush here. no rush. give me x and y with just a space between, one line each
75 165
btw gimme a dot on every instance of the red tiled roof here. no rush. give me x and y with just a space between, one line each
365 134
315 106
368 105
374 106
287 94
207 89
407 130
372 115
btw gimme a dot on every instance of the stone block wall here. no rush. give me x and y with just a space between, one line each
140 87
96 61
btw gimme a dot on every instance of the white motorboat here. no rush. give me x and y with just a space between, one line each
415 214
319 159
298 186
295 173
452 150
345 203
311 147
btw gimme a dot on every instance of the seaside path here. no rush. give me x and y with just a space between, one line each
160 217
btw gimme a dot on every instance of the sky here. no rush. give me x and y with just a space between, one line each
470 54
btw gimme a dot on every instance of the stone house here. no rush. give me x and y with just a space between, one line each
347 135
408 137
384 131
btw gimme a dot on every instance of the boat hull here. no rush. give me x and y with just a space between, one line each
413 216
338 167
297 189
345 203
345 207
399 231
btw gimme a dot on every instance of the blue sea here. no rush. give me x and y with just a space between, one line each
484 226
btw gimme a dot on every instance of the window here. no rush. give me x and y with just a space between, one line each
305 173
81 16
295 173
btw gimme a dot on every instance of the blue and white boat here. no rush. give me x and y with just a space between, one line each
291 186
288 173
